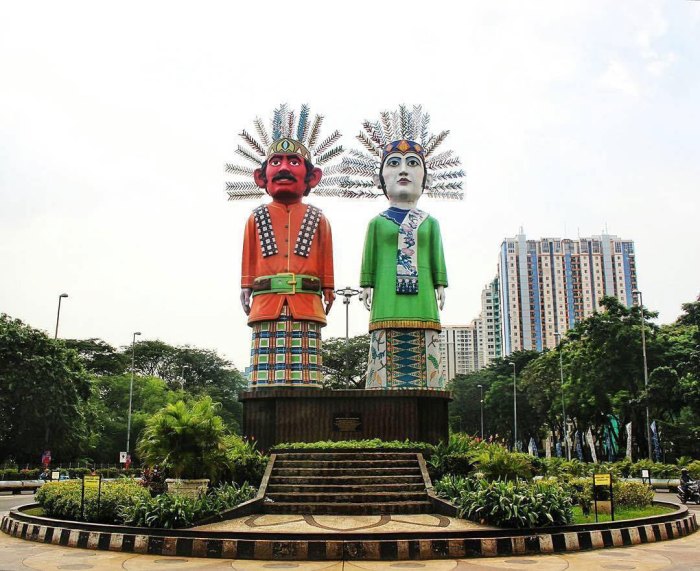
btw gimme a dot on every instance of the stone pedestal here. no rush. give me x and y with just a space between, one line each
273 416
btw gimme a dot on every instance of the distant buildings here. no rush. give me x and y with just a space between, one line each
549 285
468 348
542 287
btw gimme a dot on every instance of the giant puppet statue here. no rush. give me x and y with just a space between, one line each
403 274
287 264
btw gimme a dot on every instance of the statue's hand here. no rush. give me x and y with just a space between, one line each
328 297
366 297
245 299
440 292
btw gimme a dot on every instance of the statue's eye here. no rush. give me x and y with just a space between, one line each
295 162
413 162
275 162
393 162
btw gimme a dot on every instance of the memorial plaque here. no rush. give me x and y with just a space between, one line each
347 422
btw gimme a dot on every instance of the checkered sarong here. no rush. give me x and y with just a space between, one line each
285 352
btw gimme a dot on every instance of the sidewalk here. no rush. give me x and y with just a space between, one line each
679 554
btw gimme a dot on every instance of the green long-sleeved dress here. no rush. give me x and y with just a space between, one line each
402 311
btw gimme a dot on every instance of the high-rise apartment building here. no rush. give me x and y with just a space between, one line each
548 285
468 348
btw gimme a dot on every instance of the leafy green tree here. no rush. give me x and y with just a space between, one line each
108 407
345 361
99 357
497 382
43 388
154 358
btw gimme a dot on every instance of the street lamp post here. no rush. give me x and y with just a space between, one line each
131 391
638 295
347 294
481 400
58 313
182 376
557 335
515 412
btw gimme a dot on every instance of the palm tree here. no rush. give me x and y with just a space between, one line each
187 440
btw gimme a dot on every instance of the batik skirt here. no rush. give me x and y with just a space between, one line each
285 353
404 359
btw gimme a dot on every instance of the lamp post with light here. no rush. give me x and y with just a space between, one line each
515 411
131 391
58 313
347 294
481 401
638 296
557 335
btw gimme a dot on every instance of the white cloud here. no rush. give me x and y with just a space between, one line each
617 77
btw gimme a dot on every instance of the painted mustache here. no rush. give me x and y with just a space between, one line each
284 175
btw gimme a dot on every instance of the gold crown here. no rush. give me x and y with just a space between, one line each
288 147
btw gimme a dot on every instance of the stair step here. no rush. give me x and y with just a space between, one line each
313 463
346 480
315 472
338 497
348 508
346 488
347 456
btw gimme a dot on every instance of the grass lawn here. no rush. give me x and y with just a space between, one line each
620 513
38 511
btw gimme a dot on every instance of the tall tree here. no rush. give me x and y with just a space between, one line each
345 362
43 389
99 357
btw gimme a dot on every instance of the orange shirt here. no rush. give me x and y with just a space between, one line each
286 221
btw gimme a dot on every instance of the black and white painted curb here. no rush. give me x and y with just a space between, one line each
387 546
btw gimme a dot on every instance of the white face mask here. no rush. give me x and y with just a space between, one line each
403 179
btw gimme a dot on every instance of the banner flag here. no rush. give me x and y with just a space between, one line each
628 428
579 445
591 445
655 441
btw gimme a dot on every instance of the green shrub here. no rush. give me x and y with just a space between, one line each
628 494
694 469
353 445
496 463
186 440
633 494
451 487
656 469
512 504
62 499
173 511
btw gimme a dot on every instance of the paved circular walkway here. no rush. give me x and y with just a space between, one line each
342 524
679 554
674 555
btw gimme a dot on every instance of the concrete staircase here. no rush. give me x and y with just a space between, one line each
346 482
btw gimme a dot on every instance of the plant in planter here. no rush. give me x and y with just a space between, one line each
188 441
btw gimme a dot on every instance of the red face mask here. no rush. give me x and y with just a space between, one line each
286 176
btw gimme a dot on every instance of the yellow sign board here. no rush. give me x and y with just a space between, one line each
602 479
91 482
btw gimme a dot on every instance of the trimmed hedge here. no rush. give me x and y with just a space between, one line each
354 445
628 494
62 499
125 501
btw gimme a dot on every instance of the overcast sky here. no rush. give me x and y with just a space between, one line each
116 120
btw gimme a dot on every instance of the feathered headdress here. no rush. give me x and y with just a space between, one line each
287 134
393 128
